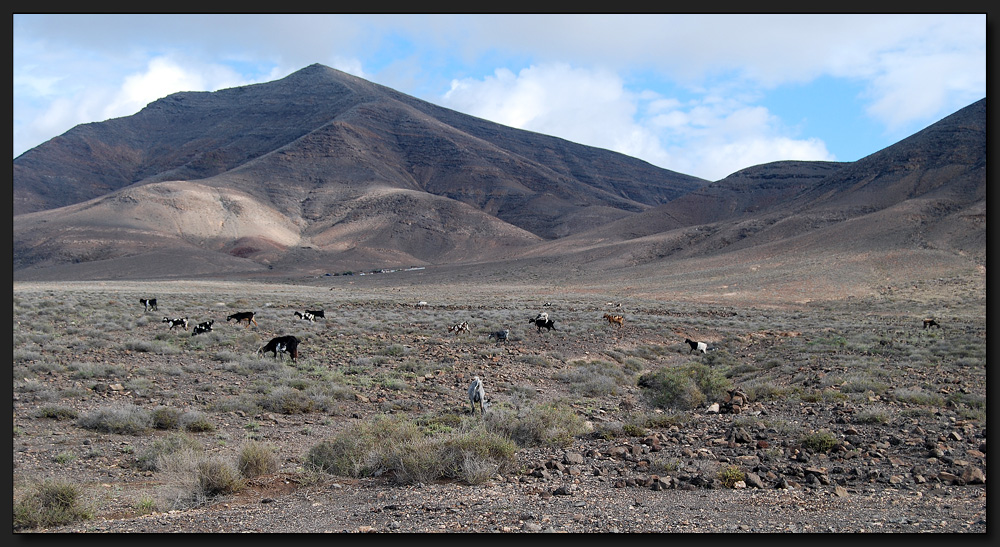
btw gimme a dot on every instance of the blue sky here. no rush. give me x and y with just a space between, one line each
705 95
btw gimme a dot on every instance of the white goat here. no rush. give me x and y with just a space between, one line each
477 394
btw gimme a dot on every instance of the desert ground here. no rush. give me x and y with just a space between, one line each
828 415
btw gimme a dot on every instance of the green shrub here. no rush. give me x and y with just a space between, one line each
195 422
145 506
917 396
287 400
56 412
730 475
150 459
399 446
872 416
165 417
661 464
218 477
363 449
256 459
546 424
125 419
50 503
819 441
594 378
685 387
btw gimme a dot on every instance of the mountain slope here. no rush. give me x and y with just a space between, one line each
324 172
342 123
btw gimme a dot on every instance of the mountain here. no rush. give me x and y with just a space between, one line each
339 130
324 172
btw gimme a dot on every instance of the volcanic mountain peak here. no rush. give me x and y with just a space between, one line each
323 171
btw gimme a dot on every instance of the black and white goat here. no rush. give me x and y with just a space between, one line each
542 321
696 346
459 327
203 327
243 316
500 335
477 394
282 344
148 303
182 322
306 315
317 314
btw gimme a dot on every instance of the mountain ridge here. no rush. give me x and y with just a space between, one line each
321 172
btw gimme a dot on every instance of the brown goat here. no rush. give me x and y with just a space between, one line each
615 319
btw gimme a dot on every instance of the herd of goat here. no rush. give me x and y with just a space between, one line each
289 344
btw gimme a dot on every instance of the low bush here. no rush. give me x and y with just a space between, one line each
218 477
684 387
125 419
151 458
730 475
819 441
399 446
57 412
545 424
50 503
255 459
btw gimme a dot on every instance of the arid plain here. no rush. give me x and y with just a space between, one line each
856 418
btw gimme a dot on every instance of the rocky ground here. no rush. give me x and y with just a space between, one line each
900 464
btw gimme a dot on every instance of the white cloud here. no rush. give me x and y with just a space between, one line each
710 137
913 68
100 100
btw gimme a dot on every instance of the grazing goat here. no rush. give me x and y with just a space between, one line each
307 316
500 335
182 322
148 303
477 394
422 304
615 319
283 344
696 346
205 326
542 321
317 314
242 316
930 322
459 327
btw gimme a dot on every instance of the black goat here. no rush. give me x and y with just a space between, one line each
182 322
203 327
242 316
930 322
283 344
148 303
542 321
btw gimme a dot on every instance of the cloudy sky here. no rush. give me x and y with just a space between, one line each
704 95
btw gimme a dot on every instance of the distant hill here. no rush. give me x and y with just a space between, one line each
323 172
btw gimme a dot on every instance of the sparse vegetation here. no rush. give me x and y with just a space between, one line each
685 387
201 419
50 503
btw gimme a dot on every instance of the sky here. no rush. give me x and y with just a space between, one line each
700 94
